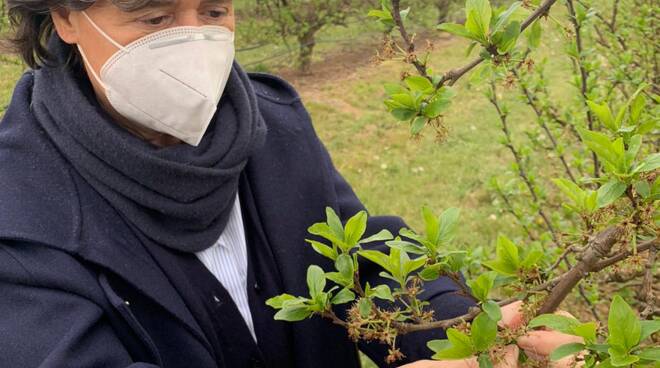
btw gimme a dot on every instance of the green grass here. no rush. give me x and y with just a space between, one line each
395 175
10 71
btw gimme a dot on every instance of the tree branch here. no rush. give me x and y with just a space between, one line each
452 76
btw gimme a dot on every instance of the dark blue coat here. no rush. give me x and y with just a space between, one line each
60 242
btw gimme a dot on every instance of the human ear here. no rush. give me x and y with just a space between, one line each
65 25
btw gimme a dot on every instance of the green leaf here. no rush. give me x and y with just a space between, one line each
650 163
418 83
431 272
610 192
404 100
355 228
493 310
601 145
448 225
508 39
364 306
455 29
623 325
649 328
380 236
503 18
436 107
566 350
277 301
478 14
482 285
406 246
323 230
604 114
587 331
485 361
643 188
404 113
413 265
417 125
334 222
293 313
534 35
432 225
556 322
460 341
637 107
457 346
323 249
507 261
532 258
382 292
607 363
570 189
378 258
378 14
339 279
632 151
344 265
650 353
438 345
483 332
343 296
620 358
633 105
315 280
394 88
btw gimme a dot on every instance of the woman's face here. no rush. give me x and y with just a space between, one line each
127 26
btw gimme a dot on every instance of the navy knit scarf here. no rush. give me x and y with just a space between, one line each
178 196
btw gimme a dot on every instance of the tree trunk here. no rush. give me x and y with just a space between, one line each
443 10
307 42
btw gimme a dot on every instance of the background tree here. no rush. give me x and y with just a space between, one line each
303 19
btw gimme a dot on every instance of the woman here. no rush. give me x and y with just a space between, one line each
154 195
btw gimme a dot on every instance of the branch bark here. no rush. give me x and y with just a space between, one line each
599 247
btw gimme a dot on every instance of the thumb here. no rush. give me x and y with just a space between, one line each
510 358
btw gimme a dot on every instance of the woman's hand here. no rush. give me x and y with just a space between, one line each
510 360
537 345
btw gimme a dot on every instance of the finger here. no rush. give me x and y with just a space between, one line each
512 316
564 313
544 342
463 363
510 359
566 362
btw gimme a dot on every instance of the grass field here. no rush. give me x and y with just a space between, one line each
396 175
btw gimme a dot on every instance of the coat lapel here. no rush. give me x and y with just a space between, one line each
108 242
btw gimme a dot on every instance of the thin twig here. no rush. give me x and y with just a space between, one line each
646 292
519 161
532 102
584 76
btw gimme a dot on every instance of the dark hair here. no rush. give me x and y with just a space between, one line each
33 26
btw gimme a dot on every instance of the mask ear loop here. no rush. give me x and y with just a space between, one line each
91 69
105 35
108 38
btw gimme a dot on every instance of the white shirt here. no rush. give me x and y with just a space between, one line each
227 261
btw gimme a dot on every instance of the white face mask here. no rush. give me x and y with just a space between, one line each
169 81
